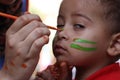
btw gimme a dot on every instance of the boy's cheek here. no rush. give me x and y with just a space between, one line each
55 39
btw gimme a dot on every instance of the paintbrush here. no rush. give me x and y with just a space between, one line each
15 17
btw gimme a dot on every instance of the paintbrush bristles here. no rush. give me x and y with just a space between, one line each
50 27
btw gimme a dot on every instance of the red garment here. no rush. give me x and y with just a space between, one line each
111 72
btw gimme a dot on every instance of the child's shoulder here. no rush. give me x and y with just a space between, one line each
111 72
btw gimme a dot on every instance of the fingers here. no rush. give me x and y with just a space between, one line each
45 75
27 29
64 67
24 41
36 34
28 34
38 78
56 72
22 21
66 71
37 45
35 38
15 33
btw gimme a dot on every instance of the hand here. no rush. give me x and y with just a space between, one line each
45 74
65 71
24 41
56 72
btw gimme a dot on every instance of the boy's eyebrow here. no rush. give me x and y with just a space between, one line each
81 15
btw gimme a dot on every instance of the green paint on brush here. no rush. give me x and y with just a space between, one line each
62 29
83 41
76 46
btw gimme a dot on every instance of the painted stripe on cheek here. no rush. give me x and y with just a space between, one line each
83 41
76 46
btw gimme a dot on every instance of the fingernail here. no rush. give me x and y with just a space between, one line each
45 38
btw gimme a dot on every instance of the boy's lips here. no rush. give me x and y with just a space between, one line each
59 49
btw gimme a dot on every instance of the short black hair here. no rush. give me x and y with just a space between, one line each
112 14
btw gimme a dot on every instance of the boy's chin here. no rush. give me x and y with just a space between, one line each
60 59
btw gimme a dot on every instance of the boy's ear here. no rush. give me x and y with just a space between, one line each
114 47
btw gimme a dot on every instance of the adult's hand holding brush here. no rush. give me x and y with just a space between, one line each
24 41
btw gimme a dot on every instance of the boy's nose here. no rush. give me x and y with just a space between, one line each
63 34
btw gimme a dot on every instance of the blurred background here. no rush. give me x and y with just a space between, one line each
48 11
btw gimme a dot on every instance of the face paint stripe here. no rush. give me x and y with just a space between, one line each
75 46
83 41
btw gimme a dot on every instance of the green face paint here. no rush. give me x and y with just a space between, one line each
83 41
76 46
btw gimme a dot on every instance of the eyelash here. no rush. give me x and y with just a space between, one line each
78 26
75 26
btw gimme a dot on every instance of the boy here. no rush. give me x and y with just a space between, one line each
90 41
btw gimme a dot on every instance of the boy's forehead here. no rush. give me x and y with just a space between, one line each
81 2
76 5
91 9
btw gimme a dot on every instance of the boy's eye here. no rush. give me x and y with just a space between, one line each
79 26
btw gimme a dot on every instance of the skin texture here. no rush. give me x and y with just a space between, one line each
55 72
22 51
71 18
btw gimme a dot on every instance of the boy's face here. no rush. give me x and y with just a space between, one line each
81 19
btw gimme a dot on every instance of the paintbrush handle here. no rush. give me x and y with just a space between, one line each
8 16
15 17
